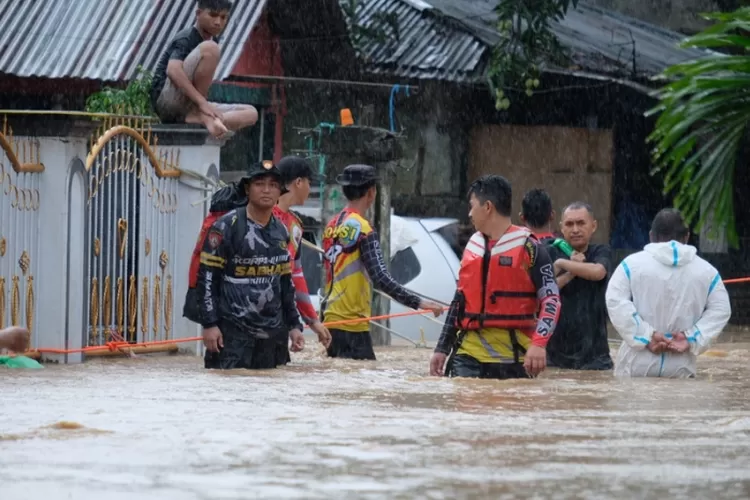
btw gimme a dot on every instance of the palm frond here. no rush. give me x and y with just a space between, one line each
703 115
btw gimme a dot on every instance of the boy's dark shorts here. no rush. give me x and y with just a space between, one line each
350 345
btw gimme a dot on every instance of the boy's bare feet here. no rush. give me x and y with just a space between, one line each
14 338
212 122
215 127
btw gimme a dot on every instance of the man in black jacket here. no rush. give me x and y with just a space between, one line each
245 281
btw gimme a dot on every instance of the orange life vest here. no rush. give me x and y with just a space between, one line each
496 289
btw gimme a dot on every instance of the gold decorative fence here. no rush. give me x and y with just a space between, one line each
20 168
132 189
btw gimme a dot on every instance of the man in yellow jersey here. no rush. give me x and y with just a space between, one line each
507 302
354 262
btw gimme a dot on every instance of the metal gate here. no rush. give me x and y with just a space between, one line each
132 188
20 170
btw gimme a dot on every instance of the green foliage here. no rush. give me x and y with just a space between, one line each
704 112
359 34
134 99
527 41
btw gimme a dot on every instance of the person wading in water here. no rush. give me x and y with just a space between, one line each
245 280
507 302
296 176
667 304
354 263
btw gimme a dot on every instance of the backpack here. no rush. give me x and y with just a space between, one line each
224 200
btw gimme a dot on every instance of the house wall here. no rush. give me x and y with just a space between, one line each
571 164
261 56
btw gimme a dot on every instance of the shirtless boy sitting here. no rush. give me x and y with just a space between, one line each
186 70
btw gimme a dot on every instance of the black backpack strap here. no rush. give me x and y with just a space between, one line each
485 273
239 230
518 349
324 301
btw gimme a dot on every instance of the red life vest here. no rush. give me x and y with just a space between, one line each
495 283
544 236
195 260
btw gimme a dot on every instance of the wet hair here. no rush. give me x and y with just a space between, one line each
578 205
536 207
669 225
493 188
215 5
354 193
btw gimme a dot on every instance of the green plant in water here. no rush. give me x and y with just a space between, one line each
526 41
704 113
134 99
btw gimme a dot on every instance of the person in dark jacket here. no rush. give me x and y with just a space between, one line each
580 340
245 281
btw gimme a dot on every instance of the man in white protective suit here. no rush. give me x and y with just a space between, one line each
667 304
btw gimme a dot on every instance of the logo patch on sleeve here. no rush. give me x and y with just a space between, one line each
348 233
214 239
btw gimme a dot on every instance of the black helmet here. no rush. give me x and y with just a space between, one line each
294 167
259 169
357 175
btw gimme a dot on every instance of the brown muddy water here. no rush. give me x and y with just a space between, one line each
164 428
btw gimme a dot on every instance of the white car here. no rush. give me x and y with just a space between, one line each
425 261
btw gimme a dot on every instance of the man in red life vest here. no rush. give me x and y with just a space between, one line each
537 214
507 303
296 176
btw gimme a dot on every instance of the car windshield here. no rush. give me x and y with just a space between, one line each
451 234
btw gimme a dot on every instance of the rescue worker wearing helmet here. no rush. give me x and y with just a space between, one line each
507 302
354 264
245 280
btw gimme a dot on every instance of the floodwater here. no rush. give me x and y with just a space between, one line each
164 428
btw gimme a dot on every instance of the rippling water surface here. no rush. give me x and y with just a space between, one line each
164 428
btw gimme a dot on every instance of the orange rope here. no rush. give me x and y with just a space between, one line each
117 345
736 280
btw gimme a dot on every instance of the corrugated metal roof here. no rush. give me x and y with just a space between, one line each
438 39
597 36
105 39
599 40
427 48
